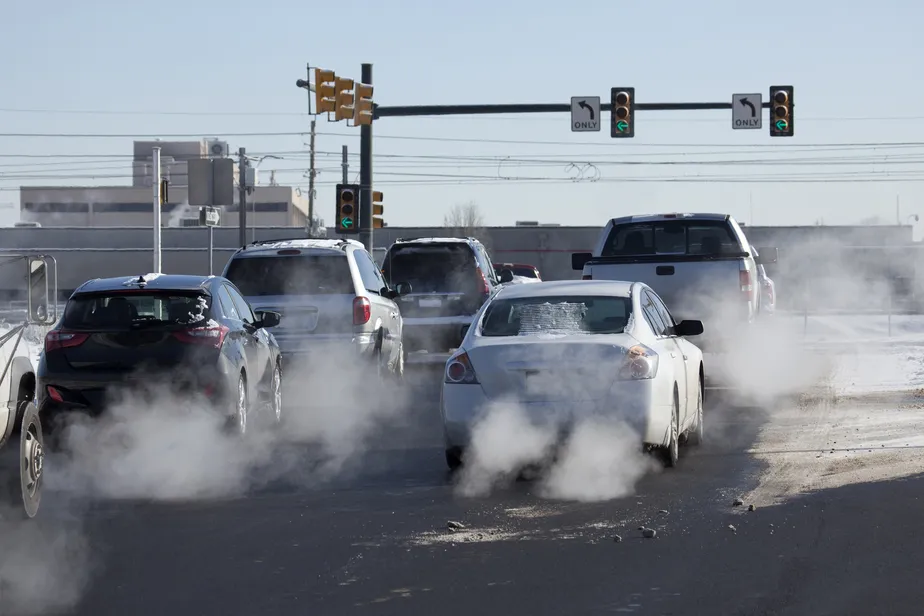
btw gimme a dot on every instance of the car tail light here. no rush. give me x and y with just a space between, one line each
459 371
209 336
60 339
485 287
362 310
746 285
54 394
641 363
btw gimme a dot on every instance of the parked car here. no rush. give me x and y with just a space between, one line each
331 295
446 281
570 349
195 334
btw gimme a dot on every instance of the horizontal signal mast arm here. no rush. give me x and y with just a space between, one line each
434 110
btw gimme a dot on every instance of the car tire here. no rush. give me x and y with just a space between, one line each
238 422
25 479
454 459
697 433
670 454
275 396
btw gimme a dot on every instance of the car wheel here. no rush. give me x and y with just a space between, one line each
454 459
671 453
24 487
698 432
276 395
240 409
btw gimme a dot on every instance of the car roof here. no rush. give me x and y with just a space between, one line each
266 247
616 288
668 216
436 240
155 282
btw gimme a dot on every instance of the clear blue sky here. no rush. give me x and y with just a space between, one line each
232 67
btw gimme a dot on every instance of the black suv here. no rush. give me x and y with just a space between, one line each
195 333
447 280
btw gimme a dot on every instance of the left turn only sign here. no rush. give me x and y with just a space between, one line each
585 114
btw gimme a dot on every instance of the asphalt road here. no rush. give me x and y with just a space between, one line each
376 542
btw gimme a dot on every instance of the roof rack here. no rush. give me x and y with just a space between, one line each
278 239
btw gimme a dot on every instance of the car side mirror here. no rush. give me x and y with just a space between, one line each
403 288
39 293
267 318
767 255
688 328
506 276
580 259
464 329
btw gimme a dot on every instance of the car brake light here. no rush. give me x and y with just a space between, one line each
485 287
60 339
362 310
745 278
209 336
459 371
54 394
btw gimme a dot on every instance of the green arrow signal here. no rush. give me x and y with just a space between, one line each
622 125
346 222
781 124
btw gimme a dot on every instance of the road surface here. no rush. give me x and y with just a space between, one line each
377 542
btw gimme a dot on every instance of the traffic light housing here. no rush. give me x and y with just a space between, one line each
347 208
622 121
781 108
362 105
378 209
343 97
324 90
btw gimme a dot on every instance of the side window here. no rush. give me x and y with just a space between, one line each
243 308
651 315
372 279
666 316
227 304
485 263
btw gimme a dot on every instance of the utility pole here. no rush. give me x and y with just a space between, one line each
365 173
311 174
155 170
242 195
346 165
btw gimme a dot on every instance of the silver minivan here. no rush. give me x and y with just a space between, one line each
330 293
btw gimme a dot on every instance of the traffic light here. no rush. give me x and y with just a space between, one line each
324 90
344 99
781 108
622 122
377 210
362 105
347 208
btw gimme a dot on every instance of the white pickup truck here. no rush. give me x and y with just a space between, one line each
21 439
700 264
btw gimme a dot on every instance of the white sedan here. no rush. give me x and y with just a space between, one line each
566 349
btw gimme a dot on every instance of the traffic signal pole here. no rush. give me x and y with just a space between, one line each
405 111
365 173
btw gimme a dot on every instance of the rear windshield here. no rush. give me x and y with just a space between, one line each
136 310
301 275
556 315
679 237
433 268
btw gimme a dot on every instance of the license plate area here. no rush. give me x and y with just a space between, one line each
430 302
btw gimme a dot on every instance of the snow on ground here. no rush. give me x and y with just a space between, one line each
863 422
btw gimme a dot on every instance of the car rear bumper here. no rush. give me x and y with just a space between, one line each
636 403
303 347
434 334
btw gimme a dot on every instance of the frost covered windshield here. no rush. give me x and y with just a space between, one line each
557 315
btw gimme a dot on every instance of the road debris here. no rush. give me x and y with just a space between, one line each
454 526
649 533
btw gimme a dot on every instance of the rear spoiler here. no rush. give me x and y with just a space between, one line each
580 259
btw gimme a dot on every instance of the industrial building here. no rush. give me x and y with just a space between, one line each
132 206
